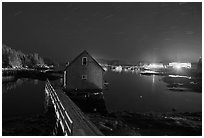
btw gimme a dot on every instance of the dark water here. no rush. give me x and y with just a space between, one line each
23 97
127 92
130 91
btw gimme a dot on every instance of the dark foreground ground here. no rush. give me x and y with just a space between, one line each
149 124
35 125
115 124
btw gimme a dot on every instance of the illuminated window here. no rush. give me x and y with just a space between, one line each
84 60
84 77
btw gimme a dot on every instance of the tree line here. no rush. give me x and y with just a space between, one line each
12 58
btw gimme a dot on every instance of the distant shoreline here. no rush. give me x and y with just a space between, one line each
10 74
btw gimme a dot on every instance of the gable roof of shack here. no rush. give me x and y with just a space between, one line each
80 56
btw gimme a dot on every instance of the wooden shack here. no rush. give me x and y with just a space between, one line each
83 74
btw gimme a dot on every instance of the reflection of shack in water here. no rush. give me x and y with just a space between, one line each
83 82
90 102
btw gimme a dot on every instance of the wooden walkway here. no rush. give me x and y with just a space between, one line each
80 125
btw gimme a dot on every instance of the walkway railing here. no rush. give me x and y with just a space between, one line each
62 116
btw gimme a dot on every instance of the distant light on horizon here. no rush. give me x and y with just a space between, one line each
154 66
105 68
118 68
178 65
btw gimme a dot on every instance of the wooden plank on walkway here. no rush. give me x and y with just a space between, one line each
82 126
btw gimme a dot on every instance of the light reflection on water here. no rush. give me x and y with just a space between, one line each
23 97
126 89
153 76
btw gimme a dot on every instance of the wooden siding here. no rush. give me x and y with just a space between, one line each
75 71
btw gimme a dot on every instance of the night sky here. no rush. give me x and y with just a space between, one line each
126 31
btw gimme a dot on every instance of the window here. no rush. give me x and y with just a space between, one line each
84 60
84 77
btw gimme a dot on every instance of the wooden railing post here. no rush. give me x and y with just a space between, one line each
61 113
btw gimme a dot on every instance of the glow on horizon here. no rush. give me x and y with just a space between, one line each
118 68
154 66
178 65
